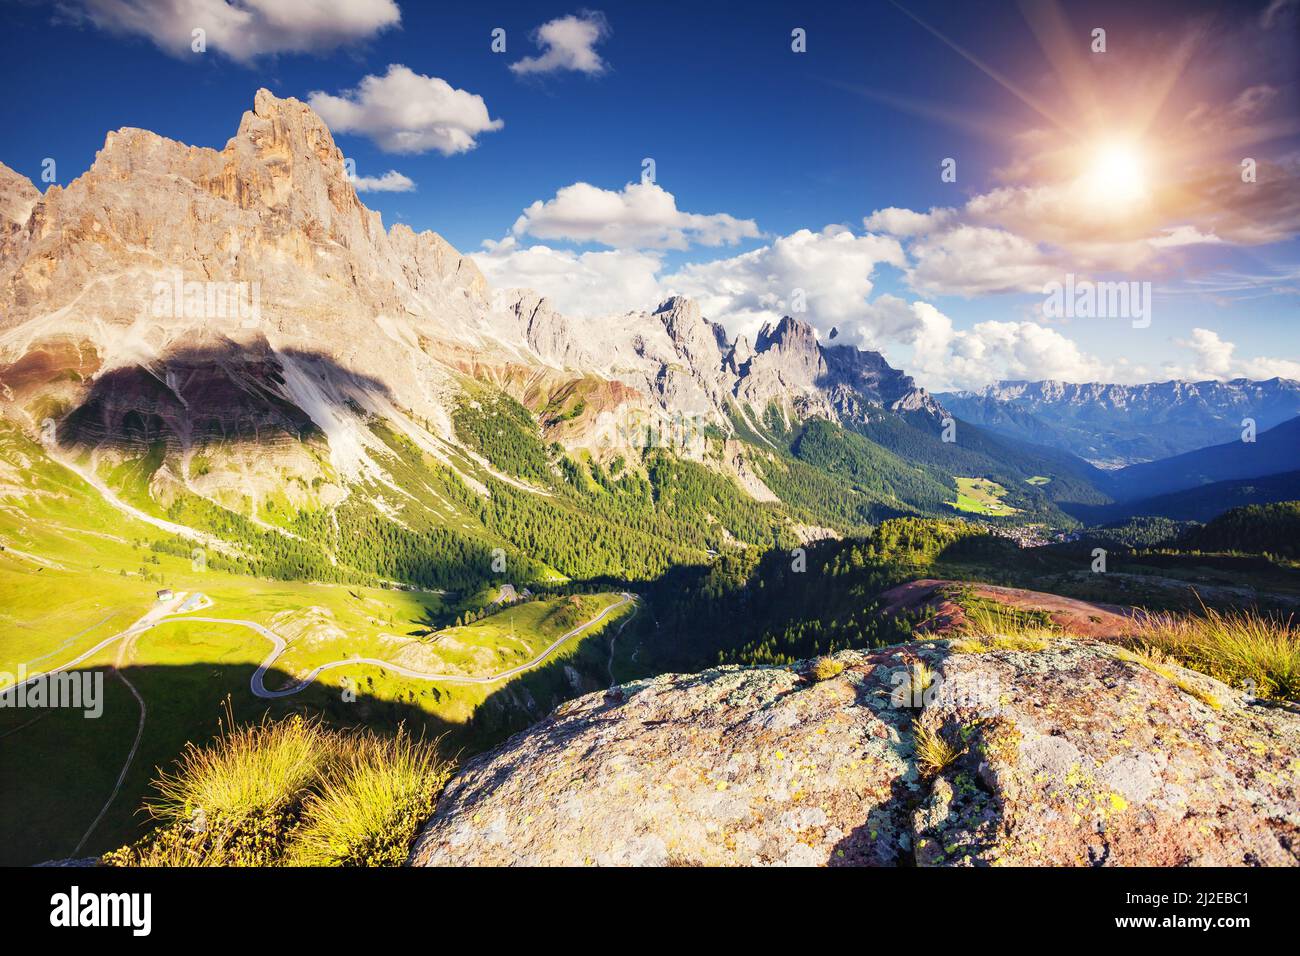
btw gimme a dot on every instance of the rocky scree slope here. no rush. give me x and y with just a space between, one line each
1066 756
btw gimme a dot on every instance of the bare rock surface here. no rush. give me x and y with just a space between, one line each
1065 756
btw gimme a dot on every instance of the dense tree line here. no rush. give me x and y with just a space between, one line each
792 604
1271 528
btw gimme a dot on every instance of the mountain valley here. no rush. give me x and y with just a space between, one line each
258 451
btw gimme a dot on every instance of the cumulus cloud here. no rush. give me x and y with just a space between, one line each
641 216
240 29
976 260
391 182
944 357
407 112
989 351
831 270
1213 357
578 283
567 43
906 222
832 273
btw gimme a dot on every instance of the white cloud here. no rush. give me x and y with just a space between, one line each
833 268
976 260
407 112
641 216
240 29
944 357
586 284
567 43
1216 358
905 222
391 182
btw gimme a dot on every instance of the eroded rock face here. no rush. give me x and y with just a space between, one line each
1067 756
163 256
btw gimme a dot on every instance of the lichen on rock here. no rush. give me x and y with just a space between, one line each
1071 755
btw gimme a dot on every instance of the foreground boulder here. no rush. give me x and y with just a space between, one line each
1069 755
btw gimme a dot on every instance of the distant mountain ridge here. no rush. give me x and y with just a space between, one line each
1117 425
1272 452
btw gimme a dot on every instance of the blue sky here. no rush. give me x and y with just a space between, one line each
739 124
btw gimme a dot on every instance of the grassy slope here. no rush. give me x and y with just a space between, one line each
982 496
62 589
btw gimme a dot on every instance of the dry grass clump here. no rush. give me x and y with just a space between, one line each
920 678
292 792
933 751
367 811
996 627
824 668
248 771
1245 649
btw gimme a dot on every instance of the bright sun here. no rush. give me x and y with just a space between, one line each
1116 174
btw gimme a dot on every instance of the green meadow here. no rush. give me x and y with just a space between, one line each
74 572
981 496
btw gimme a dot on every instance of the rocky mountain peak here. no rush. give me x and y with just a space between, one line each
679 308
290 128
788 351
17 197
788 335
694 338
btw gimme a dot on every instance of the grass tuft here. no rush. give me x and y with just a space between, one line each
1243 648
996 627
247 772
367 812
933 752
824 668
920 678
291 792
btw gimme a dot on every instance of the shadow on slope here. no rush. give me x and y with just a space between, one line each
61 766
225 392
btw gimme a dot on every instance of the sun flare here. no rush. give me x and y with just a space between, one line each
1116 173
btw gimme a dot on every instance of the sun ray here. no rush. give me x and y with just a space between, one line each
1033 102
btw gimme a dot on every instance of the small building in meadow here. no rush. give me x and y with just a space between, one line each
165 594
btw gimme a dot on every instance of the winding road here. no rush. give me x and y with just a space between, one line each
279 646
258 687
158 615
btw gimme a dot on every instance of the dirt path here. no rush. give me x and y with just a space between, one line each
614 637
123 653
